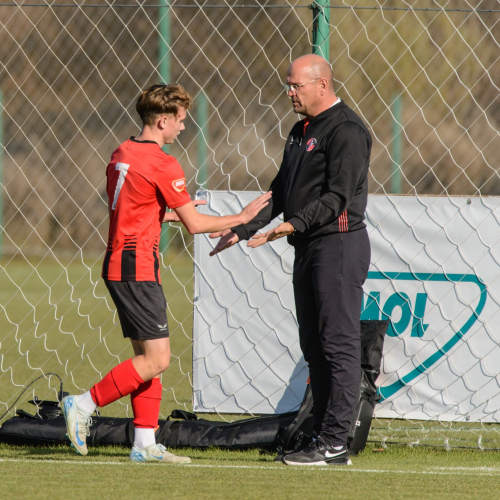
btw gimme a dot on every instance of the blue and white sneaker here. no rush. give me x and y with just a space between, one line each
78 424
156 453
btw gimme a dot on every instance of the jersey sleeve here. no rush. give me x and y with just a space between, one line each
171 182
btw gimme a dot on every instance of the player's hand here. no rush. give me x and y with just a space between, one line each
284 229
227 239
173 217
254 207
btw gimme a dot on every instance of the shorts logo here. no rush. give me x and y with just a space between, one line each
310 144
162 327
179 184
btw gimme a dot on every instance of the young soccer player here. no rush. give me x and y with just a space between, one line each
142 181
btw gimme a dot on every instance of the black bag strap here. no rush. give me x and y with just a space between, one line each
182 415
170 428
304 411
216 434
24 414
196 437
230 439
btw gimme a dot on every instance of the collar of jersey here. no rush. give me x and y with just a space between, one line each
133 139
327 112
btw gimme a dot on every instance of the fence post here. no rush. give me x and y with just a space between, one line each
321 28
397 144
1 173
164 70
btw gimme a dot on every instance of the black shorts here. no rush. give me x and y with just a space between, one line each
141 307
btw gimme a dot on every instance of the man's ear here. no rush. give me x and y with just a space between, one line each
163 120
323 83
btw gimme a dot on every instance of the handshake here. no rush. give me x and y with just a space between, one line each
228 238
218 227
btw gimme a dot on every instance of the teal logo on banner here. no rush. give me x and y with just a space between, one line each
372 309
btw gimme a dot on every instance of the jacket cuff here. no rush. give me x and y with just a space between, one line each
298 224
241 232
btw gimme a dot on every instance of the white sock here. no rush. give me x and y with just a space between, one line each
144 437
86 403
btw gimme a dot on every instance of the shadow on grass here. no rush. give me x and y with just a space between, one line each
64 452
61 452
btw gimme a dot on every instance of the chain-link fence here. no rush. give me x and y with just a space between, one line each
424 75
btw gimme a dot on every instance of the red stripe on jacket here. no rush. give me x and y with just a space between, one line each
343 222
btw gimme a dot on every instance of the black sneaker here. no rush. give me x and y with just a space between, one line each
319 454
305 442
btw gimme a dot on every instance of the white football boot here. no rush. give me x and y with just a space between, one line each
78 424
156 453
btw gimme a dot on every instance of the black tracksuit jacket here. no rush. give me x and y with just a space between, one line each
322 184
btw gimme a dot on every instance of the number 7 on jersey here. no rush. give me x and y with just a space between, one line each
123 168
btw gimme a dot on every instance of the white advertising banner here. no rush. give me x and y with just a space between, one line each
435 272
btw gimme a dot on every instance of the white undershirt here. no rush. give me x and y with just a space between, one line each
336 102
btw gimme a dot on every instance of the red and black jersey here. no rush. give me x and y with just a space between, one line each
142 180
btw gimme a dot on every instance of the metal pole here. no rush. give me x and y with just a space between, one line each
164 70
321 28
164 52
397 144
1 173
202 118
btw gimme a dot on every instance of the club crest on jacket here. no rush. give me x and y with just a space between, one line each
310 144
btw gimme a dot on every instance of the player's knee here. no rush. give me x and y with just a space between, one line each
162 364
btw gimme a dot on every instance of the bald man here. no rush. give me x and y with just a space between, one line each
322 190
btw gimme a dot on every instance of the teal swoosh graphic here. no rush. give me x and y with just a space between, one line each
388 391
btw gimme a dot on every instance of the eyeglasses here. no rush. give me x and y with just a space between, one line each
294 87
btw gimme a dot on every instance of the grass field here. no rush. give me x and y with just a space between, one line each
54 317
395 473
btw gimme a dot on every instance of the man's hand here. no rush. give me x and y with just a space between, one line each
254 207
173 217
227 239
284 229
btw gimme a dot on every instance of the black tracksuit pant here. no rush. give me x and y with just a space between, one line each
327 280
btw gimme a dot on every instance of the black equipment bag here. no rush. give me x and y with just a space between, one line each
29 430
372 344
259 432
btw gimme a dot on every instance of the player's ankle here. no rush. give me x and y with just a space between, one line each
86 403
144 437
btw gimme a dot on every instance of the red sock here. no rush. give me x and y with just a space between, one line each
119 382
146 401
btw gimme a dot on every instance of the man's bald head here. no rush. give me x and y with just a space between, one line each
313 65
312 78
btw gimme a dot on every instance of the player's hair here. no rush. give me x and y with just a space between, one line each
161 99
